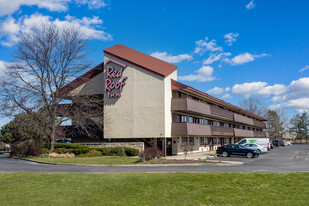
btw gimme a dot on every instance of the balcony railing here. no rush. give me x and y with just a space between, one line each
259 134
243 119
221 131
186 128
190 105
243 133
222 113
259 124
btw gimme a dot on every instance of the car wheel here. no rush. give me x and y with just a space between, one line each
260 151
225 154
249 155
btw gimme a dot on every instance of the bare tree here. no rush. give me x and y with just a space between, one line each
46 59
187 147
254 105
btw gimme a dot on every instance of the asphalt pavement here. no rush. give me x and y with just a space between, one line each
294 158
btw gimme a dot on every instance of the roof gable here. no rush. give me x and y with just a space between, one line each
142 60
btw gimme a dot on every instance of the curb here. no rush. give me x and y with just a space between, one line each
220 163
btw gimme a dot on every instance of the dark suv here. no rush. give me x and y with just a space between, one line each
282 143
236 149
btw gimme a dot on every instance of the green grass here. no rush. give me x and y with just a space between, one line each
154 189
91 160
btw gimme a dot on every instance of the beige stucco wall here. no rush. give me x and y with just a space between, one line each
93 86
141 111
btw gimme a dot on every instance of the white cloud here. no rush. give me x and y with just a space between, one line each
227 89
247 89
304 68
215 90
90 27
299 104
92 4
230 38
226 96
276 89
203 46
170 58
202 75
8 7
243 58
213 57
251 5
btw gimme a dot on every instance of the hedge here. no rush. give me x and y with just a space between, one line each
79 149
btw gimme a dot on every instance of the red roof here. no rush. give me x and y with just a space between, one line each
142 60
177 85
81 80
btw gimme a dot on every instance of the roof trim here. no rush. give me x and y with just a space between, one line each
179 86
144 61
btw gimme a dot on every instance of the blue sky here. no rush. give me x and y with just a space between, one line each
231 49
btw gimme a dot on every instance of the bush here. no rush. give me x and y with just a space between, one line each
62 150
112 151
91 153
150 153
77 149
26 148
44 150
131 151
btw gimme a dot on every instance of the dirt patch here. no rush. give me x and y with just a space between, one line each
169 161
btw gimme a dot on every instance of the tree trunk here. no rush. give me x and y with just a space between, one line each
52 136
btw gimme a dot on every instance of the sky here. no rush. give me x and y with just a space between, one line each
230 49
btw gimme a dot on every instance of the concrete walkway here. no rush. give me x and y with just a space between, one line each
193 156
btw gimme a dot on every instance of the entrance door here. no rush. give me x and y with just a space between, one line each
169 146
211 142
222 141
160 144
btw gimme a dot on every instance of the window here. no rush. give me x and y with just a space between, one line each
201 140
201 121
191 140
215 140
184 139
206 121
221 124
206 140
190 119
183 118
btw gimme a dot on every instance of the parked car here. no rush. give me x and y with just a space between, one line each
289 143
264 142
63 141
282 143
256 146
271 146
236 149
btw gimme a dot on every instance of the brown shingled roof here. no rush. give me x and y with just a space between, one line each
140 59
177 85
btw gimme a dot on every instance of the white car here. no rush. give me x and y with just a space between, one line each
256 146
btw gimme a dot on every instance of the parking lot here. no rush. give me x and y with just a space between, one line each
294 158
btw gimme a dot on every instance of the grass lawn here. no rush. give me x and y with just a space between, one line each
91 160
154 189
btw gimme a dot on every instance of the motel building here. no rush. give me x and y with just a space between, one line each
142 102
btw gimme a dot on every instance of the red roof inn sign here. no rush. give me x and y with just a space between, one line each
114 79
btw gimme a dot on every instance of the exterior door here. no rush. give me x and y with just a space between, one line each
160 144
211 142
169 146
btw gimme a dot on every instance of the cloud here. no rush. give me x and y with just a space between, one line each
226 96
304 69
11 6
299 104
247 89
92 4
215 90
213 57
170 58
203 46
12 29
227 89
251 5
230 38
243 58
202 75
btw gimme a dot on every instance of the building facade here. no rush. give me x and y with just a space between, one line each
143 101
